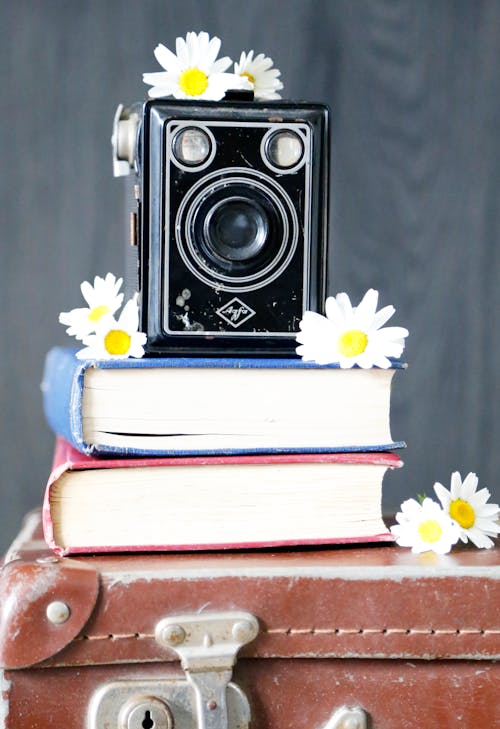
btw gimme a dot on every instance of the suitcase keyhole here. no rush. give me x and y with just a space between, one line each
147 722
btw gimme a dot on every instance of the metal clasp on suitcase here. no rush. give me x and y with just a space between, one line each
207 644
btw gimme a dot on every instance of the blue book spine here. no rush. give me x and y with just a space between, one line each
62 389
63 382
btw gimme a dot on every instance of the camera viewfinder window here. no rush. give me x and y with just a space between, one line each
284 149
192 146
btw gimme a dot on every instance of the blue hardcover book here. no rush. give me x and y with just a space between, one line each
191 406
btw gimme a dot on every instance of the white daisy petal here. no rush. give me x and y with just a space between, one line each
315 328
322 357
379 361
394 333
487 526
241 65
481 497
352 338
406 510
66 317
456 484
263 76
488 510
102 298
262 63
181 50
158 92
442 494
85 353
382 316
129 317
381 344
87 292
345 363
469 486
334 312
100 283
365 311
479 538
193 71
212 49
77 321
425 527
221 65
219 83
345 305
137 345
159 78
468 508
116 339
167 59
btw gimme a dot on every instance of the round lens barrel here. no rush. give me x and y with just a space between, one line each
236 229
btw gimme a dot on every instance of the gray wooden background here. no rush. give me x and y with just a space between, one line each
415 91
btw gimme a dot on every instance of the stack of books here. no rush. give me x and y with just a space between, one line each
176 454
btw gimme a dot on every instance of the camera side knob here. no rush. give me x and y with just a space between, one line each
123 140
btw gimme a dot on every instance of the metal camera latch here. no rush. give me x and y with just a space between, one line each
207 644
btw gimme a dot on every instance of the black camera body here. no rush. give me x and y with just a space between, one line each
229 222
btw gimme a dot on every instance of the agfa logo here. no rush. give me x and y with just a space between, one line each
235 312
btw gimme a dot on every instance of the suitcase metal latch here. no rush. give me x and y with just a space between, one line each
207 645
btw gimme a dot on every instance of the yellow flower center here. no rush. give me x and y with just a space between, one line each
249 77
430 531
352 342
117 341
98 312
462 512
193 81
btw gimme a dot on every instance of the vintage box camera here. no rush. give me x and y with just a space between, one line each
229 221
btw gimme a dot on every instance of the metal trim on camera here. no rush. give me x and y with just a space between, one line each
284 149
199 250
193 146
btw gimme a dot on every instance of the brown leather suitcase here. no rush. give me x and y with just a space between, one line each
334 638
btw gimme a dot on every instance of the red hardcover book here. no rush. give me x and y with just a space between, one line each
228 502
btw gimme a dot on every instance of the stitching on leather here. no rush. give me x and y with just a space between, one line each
116 636
380 631
319 631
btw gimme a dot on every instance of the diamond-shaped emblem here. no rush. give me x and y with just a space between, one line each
235 312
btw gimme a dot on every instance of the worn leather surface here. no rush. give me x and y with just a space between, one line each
285 693
380 602
27 588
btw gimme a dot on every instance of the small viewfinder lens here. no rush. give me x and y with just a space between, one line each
285 149
191 146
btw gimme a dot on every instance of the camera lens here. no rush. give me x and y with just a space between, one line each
191 146
236 229
284 149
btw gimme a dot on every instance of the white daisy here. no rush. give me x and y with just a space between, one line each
467 506
193 72
261 74
102 299
116 339
351 335
425 527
